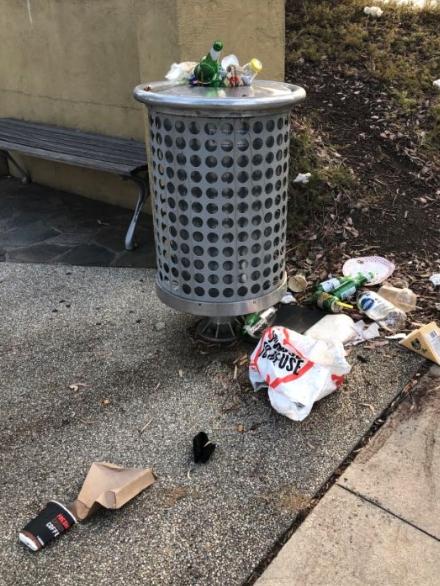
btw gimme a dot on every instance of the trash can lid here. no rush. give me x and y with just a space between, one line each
261 95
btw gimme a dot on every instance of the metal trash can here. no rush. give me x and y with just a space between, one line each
218 161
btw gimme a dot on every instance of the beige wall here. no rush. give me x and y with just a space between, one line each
183 30
70 62
75 62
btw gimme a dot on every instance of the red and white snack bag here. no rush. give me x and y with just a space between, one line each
297 370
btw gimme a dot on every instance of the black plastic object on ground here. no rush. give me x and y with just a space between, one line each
202 448
297 317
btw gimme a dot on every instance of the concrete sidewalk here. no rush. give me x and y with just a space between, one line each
198 525
380 523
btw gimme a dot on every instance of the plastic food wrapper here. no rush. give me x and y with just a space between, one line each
297 370
374 11
435 278
180 71
110 486
333 327
303 178
379 267
402 297
230 61
425 341
364 332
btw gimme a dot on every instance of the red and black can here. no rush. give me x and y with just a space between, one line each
54 520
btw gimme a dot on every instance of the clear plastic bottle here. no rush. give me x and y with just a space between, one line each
251 70
382 311
403 298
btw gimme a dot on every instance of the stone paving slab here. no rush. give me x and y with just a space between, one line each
347 540
207 525
43 225
400 468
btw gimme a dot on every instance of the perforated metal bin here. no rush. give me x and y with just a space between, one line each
218 161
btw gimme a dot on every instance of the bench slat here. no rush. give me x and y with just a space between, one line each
69 159
9 129
83 151
70 146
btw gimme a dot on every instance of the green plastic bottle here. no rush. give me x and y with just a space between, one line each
207 71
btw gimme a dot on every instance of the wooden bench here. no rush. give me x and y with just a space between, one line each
123 157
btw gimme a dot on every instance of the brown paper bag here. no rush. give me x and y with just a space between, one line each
110 486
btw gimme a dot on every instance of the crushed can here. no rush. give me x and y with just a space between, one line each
256 323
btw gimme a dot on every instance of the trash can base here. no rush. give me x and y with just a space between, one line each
214 309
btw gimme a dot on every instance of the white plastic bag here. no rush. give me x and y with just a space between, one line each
297 370
180 71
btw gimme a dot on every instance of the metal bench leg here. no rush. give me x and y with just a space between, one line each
143 188
25 175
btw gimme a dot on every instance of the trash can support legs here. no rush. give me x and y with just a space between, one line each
143 194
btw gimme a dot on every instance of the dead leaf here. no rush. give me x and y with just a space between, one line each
241 428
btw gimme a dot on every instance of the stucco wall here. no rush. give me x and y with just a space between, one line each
75 62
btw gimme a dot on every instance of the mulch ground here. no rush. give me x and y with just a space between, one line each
393 208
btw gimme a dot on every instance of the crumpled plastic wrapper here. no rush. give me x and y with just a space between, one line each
373 11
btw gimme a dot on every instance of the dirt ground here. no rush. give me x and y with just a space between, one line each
359 118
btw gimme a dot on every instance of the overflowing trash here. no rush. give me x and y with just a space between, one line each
330 315
106 485
211 72
297 370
